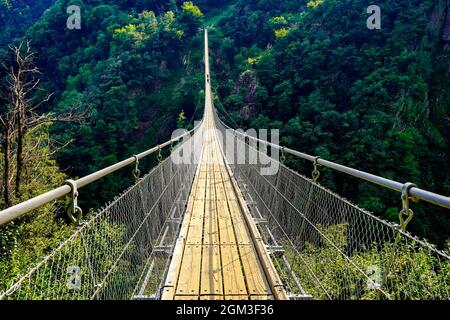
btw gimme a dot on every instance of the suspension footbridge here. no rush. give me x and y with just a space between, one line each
218 255
212 228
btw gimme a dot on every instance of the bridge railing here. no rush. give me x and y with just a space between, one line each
122 251
325 246
20 209
413 191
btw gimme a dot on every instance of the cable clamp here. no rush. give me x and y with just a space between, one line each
136 171
160 157
406 214
316 172
283 155
74 212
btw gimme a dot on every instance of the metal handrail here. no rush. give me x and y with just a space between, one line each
20 209
414 192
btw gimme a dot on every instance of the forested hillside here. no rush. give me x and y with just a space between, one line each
376 100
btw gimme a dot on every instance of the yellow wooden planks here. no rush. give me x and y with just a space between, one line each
211 272
267 297
240 228
226 230
211 225
215 257
234 281
220 190
168 293
236 297
211 231
211 297
189 279
254 273
186 298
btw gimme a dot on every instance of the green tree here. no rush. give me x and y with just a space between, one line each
190 18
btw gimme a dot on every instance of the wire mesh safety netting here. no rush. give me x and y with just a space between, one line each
328 248
123 251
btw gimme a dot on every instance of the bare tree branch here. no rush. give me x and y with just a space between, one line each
22 114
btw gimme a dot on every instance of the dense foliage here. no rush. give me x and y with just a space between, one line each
16 16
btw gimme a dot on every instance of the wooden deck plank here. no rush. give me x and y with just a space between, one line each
168 293
226 231
186 298
261 298
211 297
211 226
199 193
220 191
233 282
202 174
243 237
239 225
225 223
211 231
211 278
195 232
189 279
236 297
231 195
254 273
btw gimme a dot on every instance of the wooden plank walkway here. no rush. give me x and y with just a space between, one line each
218 254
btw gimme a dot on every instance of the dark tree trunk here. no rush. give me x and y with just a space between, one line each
20 158
7 172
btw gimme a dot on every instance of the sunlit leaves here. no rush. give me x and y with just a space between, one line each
314 3
281 33
189 8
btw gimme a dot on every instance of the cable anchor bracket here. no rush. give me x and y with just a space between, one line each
406 214
316 173
160 157
136 171
74 212
283 155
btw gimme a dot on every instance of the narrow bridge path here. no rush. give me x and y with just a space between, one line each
219 252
